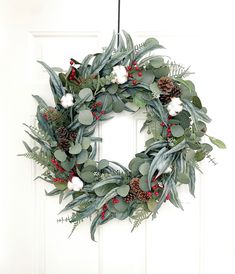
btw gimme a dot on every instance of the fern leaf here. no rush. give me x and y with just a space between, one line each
41 135
40 158
178 70
139 215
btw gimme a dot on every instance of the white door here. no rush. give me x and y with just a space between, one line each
197 241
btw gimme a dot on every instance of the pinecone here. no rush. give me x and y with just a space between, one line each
165 98
62 132
130 197
63 144
176 92
142 196
72 135
134 185
165 84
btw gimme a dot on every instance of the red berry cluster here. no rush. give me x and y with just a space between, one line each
97 114
131 70
156 188
58 180
72 74
57 166
168 127
115 201
104 209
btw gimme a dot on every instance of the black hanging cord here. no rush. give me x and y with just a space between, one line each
119 19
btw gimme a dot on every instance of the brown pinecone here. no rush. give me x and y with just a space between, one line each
142 196
134 185
165 98
176 92
165 84
130 197
63 144
62 132
72 136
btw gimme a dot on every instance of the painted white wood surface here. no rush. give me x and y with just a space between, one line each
199 240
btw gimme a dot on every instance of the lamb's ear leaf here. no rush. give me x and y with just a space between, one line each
40 101
95 223
54 80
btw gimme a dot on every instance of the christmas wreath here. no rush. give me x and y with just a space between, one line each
86 94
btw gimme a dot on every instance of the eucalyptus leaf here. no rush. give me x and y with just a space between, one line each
177 131
217 142
82 157
103 164
86 141
157 62
85 117
86 93
151 203
144 168
60 155
123 190
75 149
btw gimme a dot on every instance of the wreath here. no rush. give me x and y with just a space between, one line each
114 81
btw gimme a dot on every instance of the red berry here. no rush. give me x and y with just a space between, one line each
102 112
134 82
134 63
99 104
105 207
168 130
168 135
93 113
71 62
140 73
115 201
154 187
130 75
169 117
137 68
168 197
156 193
149 194
129 68
162 124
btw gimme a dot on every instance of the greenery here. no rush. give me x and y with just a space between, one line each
88 92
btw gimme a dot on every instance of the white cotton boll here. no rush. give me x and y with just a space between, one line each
168 170
175 101
70 185
67 100
122 80
76 184
175 106
120 75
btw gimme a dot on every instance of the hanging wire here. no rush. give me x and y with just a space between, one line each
119 20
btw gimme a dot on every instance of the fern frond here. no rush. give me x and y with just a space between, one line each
71 219
41 135
211 160
41 158
178 70
139 215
